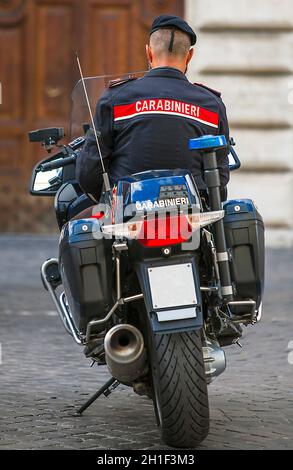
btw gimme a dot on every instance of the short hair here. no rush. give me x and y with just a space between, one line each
160 42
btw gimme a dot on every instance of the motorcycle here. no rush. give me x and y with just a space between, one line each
157 279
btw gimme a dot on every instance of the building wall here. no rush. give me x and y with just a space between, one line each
245 50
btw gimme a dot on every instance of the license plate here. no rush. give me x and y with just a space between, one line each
172 286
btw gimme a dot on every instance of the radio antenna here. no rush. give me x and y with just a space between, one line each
105 174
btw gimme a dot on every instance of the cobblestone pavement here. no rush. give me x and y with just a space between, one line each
45 376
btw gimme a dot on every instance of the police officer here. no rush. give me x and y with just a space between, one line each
146 123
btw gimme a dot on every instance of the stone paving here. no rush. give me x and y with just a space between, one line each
45 376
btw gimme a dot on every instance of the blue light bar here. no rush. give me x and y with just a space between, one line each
210 142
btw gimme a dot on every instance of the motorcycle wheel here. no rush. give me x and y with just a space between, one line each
179 388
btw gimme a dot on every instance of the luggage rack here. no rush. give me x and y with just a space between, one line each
62 307
118 246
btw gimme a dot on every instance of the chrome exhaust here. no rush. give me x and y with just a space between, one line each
125 353
214 359
60 303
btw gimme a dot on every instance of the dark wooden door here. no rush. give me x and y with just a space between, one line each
38 71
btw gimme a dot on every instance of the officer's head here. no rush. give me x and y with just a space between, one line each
170 43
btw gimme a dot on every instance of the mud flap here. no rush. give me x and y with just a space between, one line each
172 294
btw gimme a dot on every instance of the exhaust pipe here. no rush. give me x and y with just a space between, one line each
214 359
125 353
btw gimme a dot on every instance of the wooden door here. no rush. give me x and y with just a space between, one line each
38 71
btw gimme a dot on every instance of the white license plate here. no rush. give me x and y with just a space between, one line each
172 286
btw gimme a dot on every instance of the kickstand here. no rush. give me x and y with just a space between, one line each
106 389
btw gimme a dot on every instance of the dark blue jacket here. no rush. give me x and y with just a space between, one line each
146 123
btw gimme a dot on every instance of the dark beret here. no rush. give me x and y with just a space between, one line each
169 21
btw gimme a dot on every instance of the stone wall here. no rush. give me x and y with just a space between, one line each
245 50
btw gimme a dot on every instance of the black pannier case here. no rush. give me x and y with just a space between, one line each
86 271
244 229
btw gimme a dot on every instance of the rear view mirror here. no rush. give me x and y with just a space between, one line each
46 183
234 162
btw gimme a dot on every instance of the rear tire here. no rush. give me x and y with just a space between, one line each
180 388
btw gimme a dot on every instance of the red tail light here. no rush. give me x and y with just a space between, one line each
162 231
170 230
98 215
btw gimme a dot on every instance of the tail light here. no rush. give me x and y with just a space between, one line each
170 230
163 231
98 215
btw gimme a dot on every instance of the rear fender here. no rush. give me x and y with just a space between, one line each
167 318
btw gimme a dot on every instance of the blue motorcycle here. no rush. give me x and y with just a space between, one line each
155 279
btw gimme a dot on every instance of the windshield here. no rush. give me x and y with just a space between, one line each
95 87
